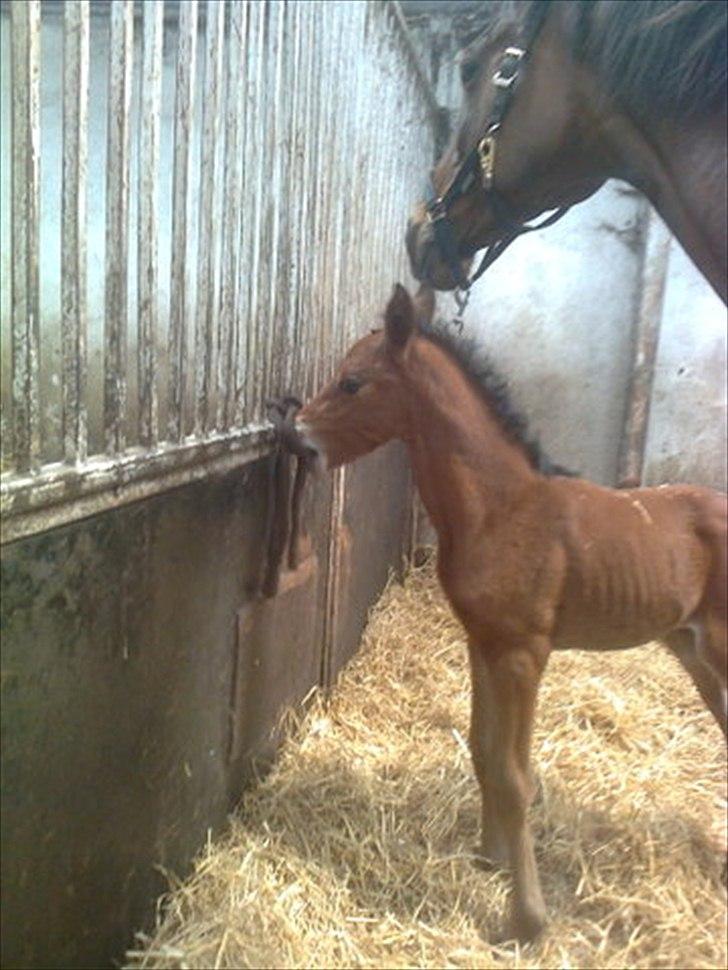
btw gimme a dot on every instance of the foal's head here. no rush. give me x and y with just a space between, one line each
366 404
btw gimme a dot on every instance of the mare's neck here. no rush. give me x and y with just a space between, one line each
465 467
681 168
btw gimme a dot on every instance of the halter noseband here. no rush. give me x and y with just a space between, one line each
481 160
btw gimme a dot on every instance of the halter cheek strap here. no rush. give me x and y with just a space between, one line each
480 162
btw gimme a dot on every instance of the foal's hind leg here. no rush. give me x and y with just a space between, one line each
513 679
706 677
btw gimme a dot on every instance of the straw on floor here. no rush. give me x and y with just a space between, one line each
358 849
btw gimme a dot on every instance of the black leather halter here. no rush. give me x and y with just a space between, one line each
481 161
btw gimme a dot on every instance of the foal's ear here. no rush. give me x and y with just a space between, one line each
399 317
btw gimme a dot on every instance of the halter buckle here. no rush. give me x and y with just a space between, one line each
516 55
436 210
486 157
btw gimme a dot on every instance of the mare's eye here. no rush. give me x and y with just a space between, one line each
468 70
349 385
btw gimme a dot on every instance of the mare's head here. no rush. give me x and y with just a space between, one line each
542 154
366 403
579 92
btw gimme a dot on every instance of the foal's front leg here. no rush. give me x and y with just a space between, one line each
501 736
483 728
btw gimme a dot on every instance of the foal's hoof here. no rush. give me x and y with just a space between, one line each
522 928
488 859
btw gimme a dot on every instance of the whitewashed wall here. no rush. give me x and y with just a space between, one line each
555 313
686 435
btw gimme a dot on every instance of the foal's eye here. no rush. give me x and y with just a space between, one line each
349 385
468 70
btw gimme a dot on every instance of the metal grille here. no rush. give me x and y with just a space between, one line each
207 204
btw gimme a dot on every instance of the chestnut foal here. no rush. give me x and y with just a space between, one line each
529 562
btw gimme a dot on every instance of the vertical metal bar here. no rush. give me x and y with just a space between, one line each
117 222
323 192
246 120
654 261
25 16
251 226
74 321
273 238
293 203
335 188
346 323
312 173
147 274
183 116
207 249
232 213
314 149
297 323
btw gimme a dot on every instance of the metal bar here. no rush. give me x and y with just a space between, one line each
300 191
648 319
345 323
232 213
183 117
316 136
257 321
323 190
207 248
272 236
148 274
25 21
250 228
292 205
59 494
338 191
117 223
74 320
333 576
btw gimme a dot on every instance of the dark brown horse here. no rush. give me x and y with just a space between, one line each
564 95
529 561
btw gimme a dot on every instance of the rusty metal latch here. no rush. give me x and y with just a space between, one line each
284 518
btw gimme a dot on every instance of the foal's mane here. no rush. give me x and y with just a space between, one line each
653 55
493 388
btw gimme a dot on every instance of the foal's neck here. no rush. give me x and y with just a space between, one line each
464 465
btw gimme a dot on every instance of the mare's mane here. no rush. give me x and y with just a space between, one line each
667 56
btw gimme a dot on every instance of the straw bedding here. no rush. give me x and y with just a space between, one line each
358 849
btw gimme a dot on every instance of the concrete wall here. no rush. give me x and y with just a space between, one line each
555 312
142 679
686 434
